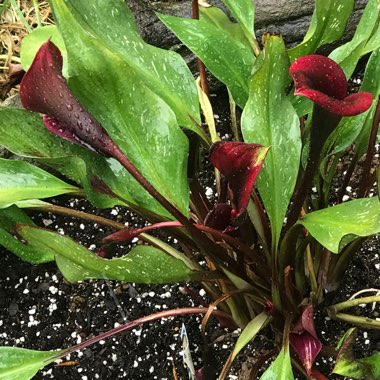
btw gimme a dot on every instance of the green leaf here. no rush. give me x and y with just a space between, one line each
22 364
371 76
281 368
143 264
33 41
20 180
243 11
365 39
24 134
327 25
249 332
220 44
9 217
270 120
346 365
110 26
336 226
122 81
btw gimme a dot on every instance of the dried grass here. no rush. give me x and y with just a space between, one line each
12 31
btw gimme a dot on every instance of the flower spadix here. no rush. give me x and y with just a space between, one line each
322 80
240 164
44 90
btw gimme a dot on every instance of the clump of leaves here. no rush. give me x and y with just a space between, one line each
117 117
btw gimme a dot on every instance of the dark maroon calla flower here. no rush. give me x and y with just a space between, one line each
240 163
323 81
304 340
44 90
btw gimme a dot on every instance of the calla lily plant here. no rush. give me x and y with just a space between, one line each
124 122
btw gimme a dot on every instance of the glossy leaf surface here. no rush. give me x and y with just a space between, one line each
281 368
244 12
9 217
207 38
365 39
80 165
22 364
143 264
327 25
336 226
270 120
164 72
20 180
117 78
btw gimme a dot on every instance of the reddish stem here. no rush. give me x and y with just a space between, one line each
140 321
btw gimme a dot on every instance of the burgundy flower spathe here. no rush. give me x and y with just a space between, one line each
44 90
304 339
240 163
322 80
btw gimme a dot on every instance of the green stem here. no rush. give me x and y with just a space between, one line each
335 309
201 66
79 214
234 125
37 10
364 322
21 16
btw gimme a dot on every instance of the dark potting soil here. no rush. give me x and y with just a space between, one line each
40 310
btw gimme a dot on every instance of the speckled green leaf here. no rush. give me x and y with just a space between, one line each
244 12
24 134
22 364
112 24
221 45
327 25
128 86
9 217
371 78
270 120
281 368
143 264
336 226
21 180
346 365
365 39
33 41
